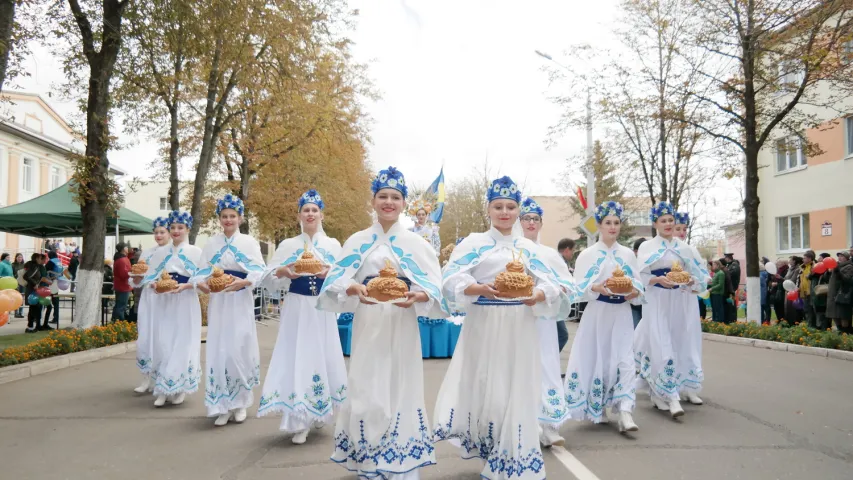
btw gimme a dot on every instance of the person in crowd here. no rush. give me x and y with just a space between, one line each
566 249
6 266
718 292
35 279
777 292
121 282
54 269
732 269
382 430
601 373
764 282
806 289
819 288
839 302
18 271
793 314
637 309
73 266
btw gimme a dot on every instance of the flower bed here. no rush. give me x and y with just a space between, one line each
798 334
61 342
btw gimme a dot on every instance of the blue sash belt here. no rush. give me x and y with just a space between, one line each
497 303
179 278
307 286
612 299
661 272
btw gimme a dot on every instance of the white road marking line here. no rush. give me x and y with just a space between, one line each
574 465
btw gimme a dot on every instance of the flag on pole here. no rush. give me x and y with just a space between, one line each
436 190
582 198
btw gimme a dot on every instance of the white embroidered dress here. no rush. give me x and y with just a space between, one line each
601 370
232 359
176 364
146 316
668 340
307 378
382 428
430 234
490 396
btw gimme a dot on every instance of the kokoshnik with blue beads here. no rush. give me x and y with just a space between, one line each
414 260
240 253
590 267
479 246
656 249
324 248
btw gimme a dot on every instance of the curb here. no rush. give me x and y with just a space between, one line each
46 365
784 347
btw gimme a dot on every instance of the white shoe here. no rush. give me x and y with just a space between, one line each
694 399
143 387
604 419
660 404
222 420
318 425
300 437
179 398
549 437
626 422
675 408
160 401
240 415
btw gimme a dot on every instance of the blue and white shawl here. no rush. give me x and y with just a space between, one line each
324 248
589 271
653 250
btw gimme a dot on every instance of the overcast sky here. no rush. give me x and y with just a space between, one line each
459 80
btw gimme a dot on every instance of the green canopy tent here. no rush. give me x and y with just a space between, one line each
55 214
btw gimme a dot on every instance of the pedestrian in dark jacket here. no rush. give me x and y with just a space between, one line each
764 283
795 268
121 282
35 276
839 301
777 292
18 266
717 290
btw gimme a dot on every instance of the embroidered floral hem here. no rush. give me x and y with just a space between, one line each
555 410
392 455
592 403
668 383
185 383
216 393
144 365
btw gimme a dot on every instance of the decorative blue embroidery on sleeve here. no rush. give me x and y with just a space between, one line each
344 264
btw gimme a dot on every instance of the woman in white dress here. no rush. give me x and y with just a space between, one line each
307 378
667 341
490 396
176 364
232 359
682 224
382 429
421 209
553 411
145 319
601 370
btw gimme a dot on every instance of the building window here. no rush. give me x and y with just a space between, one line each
638 218
164 203
790 154
793 232
27 175
790 73
847 51
848 127
55 179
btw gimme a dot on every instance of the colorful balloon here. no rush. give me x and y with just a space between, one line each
44 301
770 268
63 284
33 299
4 318
43 292
792 296
830 263
8 283
819 268
789 286
13 298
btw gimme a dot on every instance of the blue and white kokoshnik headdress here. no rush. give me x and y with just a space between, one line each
682 218
661 209
177 216
311 196
609 209
530 206
390 178
504 187
230 202
160 222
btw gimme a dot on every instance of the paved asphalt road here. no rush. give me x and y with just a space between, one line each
769 415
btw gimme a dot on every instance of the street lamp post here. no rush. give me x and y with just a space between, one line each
590 171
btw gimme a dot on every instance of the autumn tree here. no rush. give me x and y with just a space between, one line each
20 23
636 105
466 208
771 69
93 32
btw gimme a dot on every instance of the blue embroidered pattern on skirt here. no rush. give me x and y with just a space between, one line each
318 400
667 383
498 459
215 392
391 452
555 407
143 364
187 382
600 396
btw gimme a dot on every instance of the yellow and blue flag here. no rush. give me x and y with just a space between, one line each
436 190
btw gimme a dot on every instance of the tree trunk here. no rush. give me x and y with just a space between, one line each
174 146
7 22
93 175
751 201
